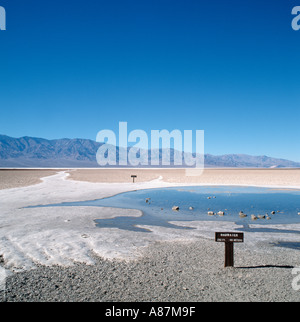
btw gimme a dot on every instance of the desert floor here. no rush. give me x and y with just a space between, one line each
255 177
58 253
264 177
22 178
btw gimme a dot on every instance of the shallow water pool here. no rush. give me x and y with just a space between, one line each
156 205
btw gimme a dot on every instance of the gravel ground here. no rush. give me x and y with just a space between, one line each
167 272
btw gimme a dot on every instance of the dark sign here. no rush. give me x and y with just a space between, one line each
229 237
133 177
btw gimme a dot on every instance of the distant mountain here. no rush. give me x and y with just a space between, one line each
248 161
37 152
33 152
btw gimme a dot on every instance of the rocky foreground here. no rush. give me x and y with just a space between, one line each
190 271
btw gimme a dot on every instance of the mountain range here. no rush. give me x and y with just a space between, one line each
31 152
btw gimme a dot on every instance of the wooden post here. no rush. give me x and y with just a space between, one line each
229 259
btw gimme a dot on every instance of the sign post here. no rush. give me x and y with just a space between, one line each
229 238
133 177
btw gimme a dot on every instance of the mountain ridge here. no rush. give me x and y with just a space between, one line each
36 152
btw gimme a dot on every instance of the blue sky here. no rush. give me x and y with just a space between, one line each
230 68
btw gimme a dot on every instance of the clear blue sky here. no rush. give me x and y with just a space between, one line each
230 68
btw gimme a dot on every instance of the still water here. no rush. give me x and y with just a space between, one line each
156 205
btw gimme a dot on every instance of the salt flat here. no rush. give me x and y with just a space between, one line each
63 235
227 176
30 237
